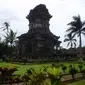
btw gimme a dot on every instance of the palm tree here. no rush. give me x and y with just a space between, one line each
70 39
77 28
10 37
6 26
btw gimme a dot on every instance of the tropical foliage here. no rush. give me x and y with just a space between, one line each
5 26
10 37
7 45
70 39
77 27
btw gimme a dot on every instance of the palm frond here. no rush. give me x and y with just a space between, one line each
74 32
73 35
74 40
78 22
74 44
76 28
77 18
6 24
83 33
83 23
65 35
68 44
70 29
10 37
66 39
72 23
71 39
83 29
1 27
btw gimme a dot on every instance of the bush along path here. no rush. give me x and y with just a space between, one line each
6 74
42 76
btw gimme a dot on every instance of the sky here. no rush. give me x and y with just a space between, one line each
15 12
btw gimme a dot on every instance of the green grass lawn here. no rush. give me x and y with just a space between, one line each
22 68
81 82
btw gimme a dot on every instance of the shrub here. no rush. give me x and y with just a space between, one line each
16 79
80 66
73 71
25 78
6 73
33 77
70 66
64 68
55 80
30 71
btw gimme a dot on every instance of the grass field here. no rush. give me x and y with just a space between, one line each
22 68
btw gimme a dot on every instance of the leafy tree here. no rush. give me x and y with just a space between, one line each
10 37
77 28
70 39
6 26
73 71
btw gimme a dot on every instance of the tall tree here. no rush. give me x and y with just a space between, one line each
70 39
6 26
77 27
10 37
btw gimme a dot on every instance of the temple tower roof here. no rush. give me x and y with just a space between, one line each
40 11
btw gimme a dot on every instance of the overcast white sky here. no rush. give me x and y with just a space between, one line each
15 12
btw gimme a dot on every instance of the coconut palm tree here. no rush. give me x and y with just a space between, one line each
10 37
70 39
77 27
6 26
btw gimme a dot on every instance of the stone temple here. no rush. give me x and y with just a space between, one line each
39 41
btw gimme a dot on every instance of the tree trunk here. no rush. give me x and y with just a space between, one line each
80 48
11 49
73 77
